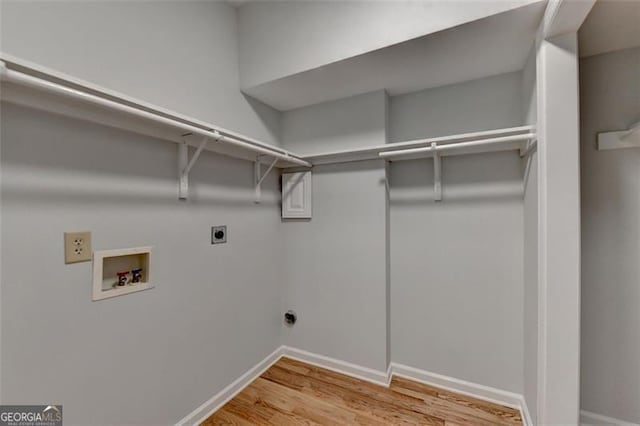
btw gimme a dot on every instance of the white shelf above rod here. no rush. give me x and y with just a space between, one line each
524 142
620 139
179 123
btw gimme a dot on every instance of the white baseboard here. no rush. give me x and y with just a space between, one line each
382 378
200 414
589 418
524 411
463 387
364 373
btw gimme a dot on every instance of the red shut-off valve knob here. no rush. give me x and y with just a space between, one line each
122 278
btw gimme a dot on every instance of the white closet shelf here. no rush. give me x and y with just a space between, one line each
520 138
36 86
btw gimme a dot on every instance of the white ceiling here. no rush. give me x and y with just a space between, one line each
611 25
490 46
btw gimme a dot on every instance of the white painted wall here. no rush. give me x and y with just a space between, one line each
530 210
483 104
457 265
158 354
281 38
610 354
343 124
529 89
336 263
155 355
179 55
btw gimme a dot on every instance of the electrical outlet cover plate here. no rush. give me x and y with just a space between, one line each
218 234
77 247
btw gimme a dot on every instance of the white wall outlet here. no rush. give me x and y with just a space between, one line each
77 247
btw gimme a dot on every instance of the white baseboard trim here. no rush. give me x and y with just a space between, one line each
589 418
525 413
201 413
463 387
364 373
382 378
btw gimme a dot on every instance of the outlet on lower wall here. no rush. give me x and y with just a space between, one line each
77 247
219 234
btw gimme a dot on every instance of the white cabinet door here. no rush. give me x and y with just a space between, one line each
296 195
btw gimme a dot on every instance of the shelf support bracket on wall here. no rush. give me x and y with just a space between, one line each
259 179
620 139
185 165
437 173
529 148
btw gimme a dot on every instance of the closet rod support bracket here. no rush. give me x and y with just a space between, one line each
258 178
530 146
185 164
437 173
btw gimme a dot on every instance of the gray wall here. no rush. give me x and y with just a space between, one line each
480 222
175 54
156 355
335 272
484 104
336 265
60 174
610 359
336 125
530 211
457 265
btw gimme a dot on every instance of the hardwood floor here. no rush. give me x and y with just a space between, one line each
295 393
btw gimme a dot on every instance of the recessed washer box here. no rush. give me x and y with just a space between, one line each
114 270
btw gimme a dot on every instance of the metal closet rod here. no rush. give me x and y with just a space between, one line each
450 149
219 136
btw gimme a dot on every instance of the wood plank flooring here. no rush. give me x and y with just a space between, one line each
295 393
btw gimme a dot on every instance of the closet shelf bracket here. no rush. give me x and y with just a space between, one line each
437 173
530 147
258 179
185 164
621 139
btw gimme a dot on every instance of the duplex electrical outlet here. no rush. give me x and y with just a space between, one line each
77 247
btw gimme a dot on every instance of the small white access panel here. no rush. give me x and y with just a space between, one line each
296 195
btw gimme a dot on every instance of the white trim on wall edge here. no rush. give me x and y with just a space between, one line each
524 412
589 418
381 378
